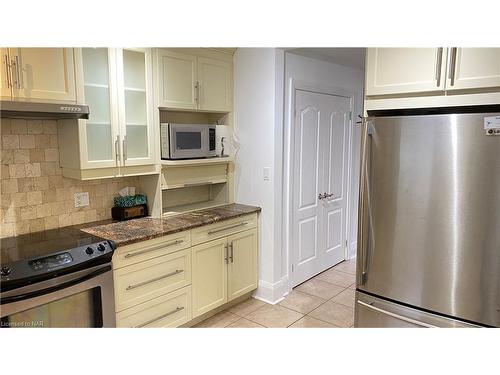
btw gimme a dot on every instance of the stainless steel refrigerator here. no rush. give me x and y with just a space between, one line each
429 223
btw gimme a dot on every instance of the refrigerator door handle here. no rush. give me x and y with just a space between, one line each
365 222
372 306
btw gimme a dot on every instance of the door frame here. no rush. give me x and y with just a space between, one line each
288 149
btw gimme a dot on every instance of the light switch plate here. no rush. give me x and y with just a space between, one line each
81 199
267 173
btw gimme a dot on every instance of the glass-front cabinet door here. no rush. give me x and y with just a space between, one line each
135 116
100 137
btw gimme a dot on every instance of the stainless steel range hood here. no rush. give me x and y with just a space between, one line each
12 109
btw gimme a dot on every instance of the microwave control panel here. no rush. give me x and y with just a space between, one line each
211 139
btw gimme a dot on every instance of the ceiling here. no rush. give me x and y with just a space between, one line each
352 57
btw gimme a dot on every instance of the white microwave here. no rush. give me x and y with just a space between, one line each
187 141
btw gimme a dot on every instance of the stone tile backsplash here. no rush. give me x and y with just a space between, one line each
34 194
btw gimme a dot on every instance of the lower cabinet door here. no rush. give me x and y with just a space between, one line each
209 280
242 266
170 310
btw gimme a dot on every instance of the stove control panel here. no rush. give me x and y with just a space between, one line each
24 272
50 261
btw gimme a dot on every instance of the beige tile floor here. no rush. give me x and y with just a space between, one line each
325 301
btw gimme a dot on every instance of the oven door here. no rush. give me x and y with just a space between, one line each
80 299
188 141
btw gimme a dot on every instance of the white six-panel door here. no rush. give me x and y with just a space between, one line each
321 135
335 169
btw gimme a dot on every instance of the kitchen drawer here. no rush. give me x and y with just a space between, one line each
149 279
169 310
145 250
185 176
223 228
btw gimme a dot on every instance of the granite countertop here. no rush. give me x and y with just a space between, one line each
136 230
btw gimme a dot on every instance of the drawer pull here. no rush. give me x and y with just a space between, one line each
177 309
130 287
130 255
226 228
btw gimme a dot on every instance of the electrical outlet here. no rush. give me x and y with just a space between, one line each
81 199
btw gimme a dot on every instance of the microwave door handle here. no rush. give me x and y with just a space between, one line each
205 142
171 140
52 289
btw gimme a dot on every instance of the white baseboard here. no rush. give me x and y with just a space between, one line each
272 293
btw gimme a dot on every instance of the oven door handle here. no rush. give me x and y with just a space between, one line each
37 293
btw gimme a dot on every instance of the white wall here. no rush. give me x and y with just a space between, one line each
254 119
261 76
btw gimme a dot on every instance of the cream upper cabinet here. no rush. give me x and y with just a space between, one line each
99 136
214 84
177 80
392 71
43 74
209 276
5 76
472 68
191 81
117 86
117 139
134 70
242 263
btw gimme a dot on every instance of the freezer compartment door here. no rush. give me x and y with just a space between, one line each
429 214
372 312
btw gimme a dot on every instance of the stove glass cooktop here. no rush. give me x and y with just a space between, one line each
39 244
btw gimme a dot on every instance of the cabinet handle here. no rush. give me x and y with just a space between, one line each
198 87
439 65
196 91
117 151
231 255
226 254
18 67
176 242
130 287
124 148
7 70
225 228
177 309
14 63
453 61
